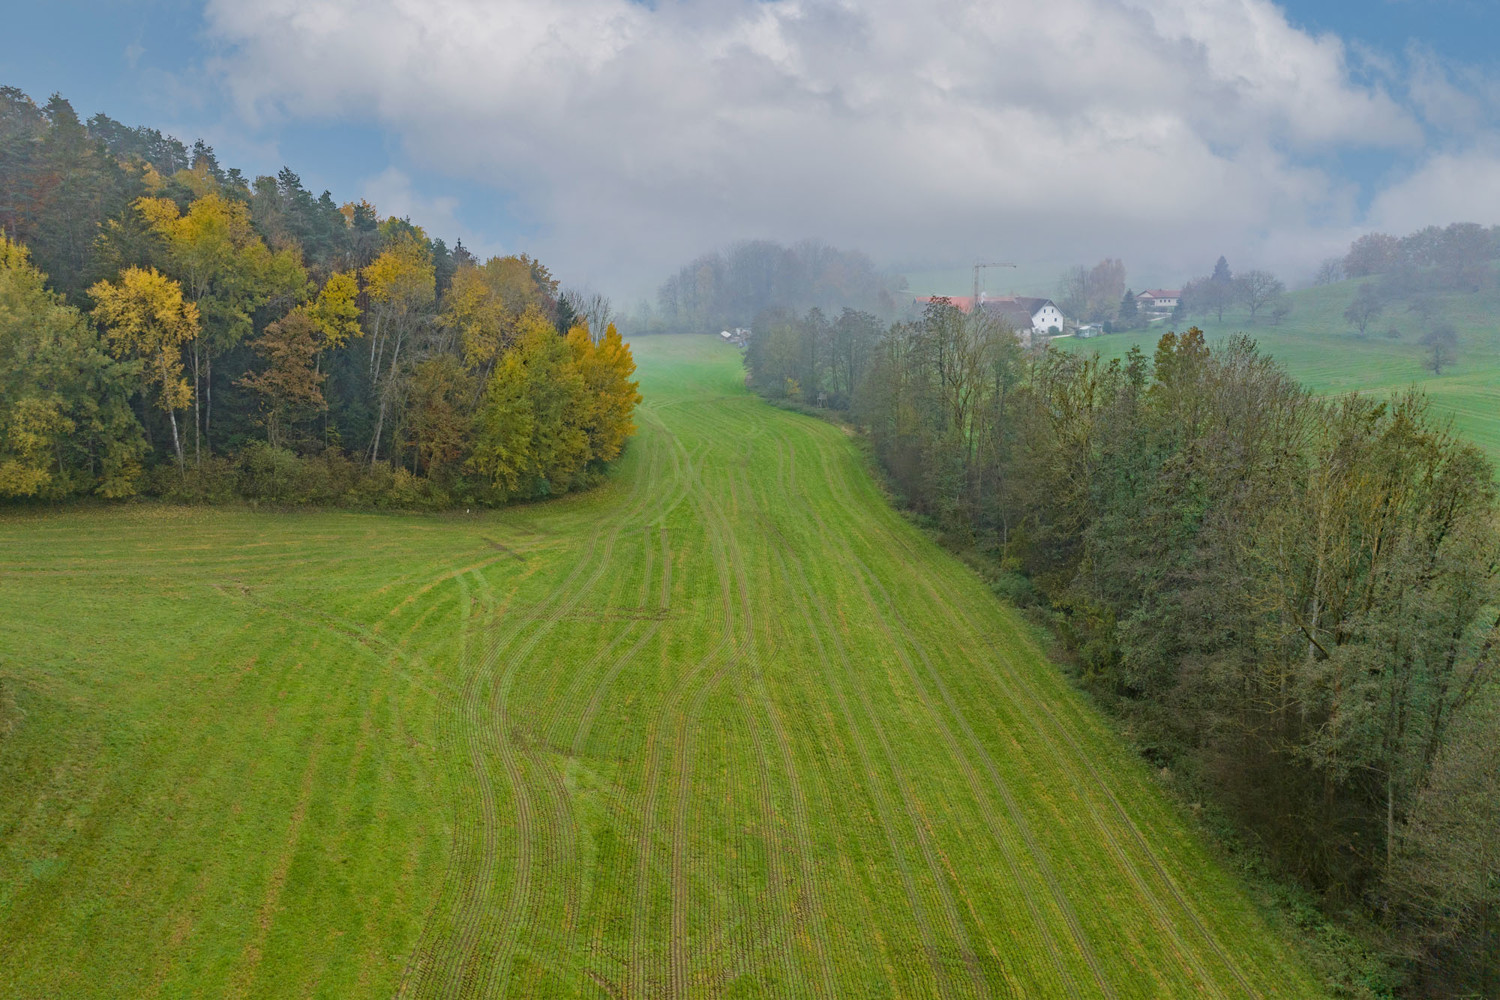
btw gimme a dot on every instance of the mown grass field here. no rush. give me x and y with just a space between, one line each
726 727
1321 349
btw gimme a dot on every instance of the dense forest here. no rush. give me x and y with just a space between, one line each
1291 602
170 327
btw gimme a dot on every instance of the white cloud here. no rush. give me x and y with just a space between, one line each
392 194
1165 130
1447 187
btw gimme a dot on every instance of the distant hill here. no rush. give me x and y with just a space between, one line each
1324 351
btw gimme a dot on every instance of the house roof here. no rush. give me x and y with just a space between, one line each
963 303
1160 293
1019 309
1018 306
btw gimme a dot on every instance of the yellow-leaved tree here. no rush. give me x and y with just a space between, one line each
530 435
335 311
144 316
611 395
227 272
485 302
402 285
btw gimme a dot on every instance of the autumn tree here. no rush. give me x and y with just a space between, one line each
439 417
145 317
335 312
401 285
1106 285
485 303
290 384
531 437
228 273
1372 253
66 426
609 392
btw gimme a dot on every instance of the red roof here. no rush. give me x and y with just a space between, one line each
963 303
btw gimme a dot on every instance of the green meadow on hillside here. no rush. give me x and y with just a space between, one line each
727 726
1324 351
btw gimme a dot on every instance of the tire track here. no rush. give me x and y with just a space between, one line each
1077 763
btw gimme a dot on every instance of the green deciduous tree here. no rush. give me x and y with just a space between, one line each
66 426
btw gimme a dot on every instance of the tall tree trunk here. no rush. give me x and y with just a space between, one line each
176 441
208 402
197 409
385 392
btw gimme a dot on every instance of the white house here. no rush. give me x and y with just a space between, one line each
1027 315
1158 300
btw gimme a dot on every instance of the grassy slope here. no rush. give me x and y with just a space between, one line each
725 727
1319 347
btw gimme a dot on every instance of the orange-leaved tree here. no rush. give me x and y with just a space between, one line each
290 383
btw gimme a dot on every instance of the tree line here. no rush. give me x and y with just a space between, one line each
729 288
170 327
1291 601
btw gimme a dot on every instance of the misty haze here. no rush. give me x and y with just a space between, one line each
750 499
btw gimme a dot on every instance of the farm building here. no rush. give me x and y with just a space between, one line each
1026 315
1158 300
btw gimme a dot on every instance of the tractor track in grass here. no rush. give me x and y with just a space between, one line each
777 937
510 926
1079 756
816 917
727 654
920 823
887 614
1014 816
458 963
557 709
585 723
1086 774
820 625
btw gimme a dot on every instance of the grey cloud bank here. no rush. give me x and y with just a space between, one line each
1163 131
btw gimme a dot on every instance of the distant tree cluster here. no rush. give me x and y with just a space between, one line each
1093 294
1294 601
167 326
1260 293
728 289
1453 258
1411 275
811 358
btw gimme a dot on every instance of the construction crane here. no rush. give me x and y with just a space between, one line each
977 269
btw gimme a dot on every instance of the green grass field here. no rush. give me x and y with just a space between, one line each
1321 349
725 727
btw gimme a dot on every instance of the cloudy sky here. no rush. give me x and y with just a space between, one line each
616 139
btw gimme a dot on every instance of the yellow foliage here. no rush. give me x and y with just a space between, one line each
555 409
402 276
612 396
485 304
336 310
145 316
